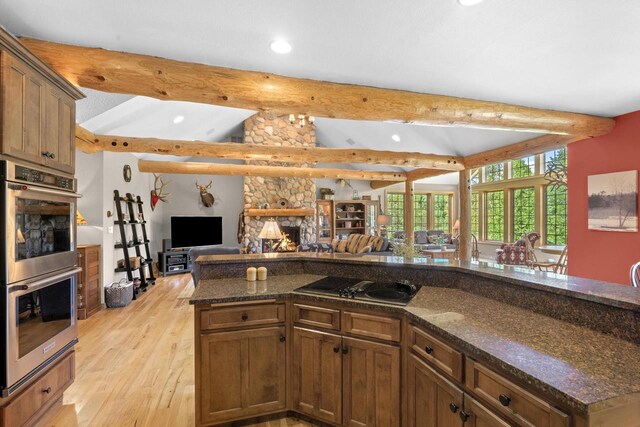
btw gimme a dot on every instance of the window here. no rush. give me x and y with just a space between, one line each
441 212
494 172
523 168
556 214
495 215
475 176
420 209
524 211
395 209
475 214
559 156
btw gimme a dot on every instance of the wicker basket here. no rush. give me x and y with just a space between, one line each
118 294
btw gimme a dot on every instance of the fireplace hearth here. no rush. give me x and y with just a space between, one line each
289 242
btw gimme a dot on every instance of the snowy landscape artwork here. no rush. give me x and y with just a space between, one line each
613 201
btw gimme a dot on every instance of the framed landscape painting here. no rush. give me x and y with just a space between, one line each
613 201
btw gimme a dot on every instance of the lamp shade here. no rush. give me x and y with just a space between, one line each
20 236
384 219
80 219
270 230
456 225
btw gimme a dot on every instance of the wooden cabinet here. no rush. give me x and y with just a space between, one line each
32 402
432 400
476 415
317 374
89 279
371 383
242 374
37 109
339 218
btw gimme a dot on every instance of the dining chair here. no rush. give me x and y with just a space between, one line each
635 275
559 266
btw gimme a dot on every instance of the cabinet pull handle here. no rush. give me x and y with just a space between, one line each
336 349
428 349
504 399
464 416
45 154
52 156
244 317
453 407
345 349
47 390
283 338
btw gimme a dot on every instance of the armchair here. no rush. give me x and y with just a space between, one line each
520 252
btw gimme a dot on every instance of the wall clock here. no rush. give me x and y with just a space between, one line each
126 173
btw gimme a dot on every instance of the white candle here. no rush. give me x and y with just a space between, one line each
251 274
262 273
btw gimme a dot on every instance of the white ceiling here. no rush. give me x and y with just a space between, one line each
571 55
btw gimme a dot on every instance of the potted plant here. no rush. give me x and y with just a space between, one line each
327 193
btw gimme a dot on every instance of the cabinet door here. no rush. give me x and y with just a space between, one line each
432 400
371 383
23 99
59 130
479 416
242 374
317 374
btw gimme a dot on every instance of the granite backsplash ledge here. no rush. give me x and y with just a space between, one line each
603 307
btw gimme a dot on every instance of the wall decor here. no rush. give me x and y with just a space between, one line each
613 201
206 197
126 173
157 194
283 203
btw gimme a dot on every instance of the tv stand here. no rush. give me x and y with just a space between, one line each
174 261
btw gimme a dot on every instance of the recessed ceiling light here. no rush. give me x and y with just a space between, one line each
469 2
178 119
280 46
395 137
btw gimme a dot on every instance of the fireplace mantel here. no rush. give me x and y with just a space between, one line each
279 212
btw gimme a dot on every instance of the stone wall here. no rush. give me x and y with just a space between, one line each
270 129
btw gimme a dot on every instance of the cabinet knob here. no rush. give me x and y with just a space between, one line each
336 349
464 416
428 349
47 390
52 156
245 317
504 399
345 349
453 407
283 338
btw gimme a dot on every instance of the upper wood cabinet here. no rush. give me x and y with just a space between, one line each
37 108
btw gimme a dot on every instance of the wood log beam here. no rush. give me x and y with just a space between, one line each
119 72
464 238
413 175
272 171
228 150
408 212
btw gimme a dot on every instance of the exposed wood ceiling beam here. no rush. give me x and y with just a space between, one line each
166 79
518 150
272 171
224 150
411 176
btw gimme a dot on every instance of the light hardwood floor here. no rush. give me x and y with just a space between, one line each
134 365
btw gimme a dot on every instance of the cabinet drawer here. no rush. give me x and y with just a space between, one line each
512 400
242 316
319 317
436 352
371 326
31 403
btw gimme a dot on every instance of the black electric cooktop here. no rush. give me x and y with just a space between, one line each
398 293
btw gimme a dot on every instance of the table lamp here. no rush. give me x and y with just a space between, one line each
270 231
383 221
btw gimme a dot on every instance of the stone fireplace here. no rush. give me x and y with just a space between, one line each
293 240
274 192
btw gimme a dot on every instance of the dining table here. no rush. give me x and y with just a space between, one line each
552 249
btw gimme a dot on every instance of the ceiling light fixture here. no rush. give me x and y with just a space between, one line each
395 137
178 119
469 2
280 46
302 119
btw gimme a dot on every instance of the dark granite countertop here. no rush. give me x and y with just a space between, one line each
584 369
611 294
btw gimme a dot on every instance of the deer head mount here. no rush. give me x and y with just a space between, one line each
157 194
206 197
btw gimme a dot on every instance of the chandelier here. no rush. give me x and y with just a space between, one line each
301 119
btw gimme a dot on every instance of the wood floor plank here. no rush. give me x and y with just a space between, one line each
134 365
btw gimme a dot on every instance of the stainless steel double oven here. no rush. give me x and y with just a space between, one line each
37 270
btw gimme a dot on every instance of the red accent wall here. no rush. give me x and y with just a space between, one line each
601 255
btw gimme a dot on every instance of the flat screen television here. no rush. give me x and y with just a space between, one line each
190 231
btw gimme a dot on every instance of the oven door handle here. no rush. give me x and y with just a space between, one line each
34 286
45 191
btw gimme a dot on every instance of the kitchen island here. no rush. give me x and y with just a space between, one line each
476 345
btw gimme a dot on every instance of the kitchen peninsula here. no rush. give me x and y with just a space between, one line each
477 345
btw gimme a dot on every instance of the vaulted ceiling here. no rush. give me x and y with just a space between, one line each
570 55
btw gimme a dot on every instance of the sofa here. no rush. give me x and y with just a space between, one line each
428 239
362 244
197 251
